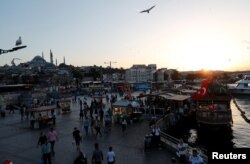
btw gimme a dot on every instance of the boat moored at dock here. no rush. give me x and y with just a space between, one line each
241 87
213 104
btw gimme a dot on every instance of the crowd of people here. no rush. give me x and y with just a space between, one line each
91 117
184 155
93 124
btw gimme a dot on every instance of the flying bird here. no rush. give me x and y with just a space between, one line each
148 10
19 41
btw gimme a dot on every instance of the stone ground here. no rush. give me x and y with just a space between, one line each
18 141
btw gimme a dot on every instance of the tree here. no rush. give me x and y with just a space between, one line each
175 75
95 72
77 74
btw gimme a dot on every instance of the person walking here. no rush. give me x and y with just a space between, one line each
156 131
77 137
124 124
182 150
98 128
111 156
86 125
58 107
101 114
81 114
92 124
22 109
42 139
52 137
27 113
97 156
46 152
85 109
195 158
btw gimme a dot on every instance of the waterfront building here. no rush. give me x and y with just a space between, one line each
162 75
140 73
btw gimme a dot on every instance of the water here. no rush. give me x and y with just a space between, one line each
241 128
235 136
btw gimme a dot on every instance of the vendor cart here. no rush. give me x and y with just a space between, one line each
65 105
43 116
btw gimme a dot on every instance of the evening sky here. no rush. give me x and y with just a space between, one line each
179 34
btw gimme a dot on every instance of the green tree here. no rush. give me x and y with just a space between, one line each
96 72
175 75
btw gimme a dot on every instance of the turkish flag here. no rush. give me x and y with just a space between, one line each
203 91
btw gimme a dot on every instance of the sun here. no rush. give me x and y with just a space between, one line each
208 51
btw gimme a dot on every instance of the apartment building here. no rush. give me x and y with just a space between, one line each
140 73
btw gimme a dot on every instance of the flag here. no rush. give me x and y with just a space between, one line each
203 91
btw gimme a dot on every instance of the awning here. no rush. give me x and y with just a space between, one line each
166 96
125 103
179 97
121 103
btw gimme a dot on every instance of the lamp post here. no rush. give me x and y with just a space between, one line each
18 47
11 50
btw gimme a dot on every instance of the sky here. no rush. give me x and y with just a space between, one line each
176 34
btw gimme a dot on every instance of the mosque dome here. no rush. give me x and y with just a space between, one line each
37 61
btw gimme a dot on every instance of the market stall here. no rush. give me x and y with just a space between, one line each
64 104
43 116
127 109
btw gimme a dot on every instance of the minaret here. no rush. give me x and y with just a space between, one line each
64 60
56 62
51 57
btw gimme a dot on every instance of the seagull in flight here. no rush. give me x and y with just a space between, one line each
148 10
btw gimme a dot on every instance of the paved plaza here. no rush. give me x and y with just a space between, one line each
19 142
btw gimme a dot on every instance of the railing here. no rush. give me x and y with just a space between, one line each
171 142
218 117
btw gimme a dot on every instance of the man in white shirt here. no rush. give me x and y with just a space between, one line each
156 134
195 158
111 156
182 148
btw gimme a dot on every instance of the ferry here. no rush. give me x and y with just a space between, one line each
214 108
240 87
216 113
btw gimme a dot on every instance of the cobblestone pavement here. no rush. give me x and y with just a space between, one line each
18 141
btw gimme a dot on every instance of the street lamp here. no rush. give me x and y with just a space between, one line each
18 42
11 50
